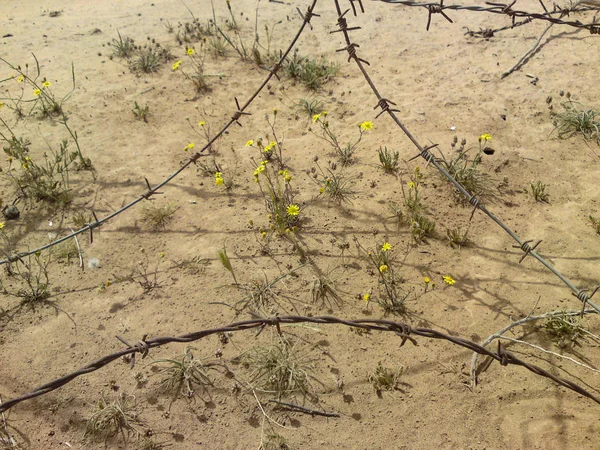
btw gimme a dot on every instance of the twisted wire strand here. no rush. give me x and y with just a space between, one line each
403 330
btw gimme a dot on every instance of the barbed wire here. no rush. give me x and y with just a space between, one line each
503 9
402 330
387 105
240 111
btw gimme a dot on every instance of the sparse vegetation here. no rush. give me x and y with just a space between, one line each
280 369
310 72
538 191
185 375
141 113
158 217
384 378
565 331
110 419
388 161
595 222
574 119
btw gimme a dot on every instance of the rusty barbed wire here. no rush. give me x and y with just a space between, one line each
561 11
503 9
425 153
239 112
403 330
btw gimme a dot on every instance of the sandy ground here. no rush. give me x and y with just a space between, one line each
439 80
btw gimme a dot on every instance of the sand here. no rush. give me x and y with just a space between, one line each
444 84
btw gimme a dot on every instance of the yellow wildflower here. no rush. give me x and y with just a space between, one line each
219 181
37 92
274 111
449 280
264 234
177 64
324 113
190 51
1 225
411 185
367 297
427 280
386 246
485 137
365 126
201 123
20 79
383 268
293 210
161 255
249 143
46 84
316 117
264 162
25 165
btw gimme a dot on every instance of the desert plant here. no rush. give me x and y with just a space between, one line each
344 152
66 250
280 368
467 170
565 330
158 217
149 58
388 161
575 118
595 222
384 378
31 272
196 73
184 375
118 416
311 73
309 106
141 113
323 290
457 238
124 47
226 262
538 191
338 186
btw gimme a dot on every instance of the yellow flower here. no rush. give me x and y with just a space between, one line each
274 111
20 79
316 118
321 190
161 255
249 143
365 126
177 64
219 181
264 162
188 147
293 210
25 165
485 137
386 246
427 280
449 280
201 123
366 298
264 234
37 92
324 113
269 147
190 51
46 84
259 170
383 268
411 185
1 225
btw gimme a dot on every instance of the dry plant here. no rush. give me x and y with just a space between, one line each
158 217
323 290
31 272
595 222
66 250
574 119
338 186
184 375
384 378
457 237
467 170
110 419
565 331
280 369
141 113
538 191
